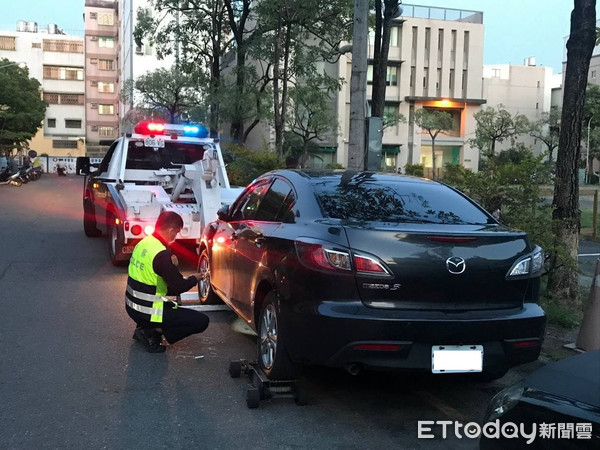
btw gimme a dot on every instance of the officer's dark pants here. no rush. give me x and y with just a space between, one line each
177 323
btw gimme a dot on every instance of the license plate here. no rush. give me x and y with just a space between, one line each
127 249
154 142
456 358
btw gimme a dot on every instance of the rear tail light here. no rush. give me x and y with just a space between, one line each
525 344
378 347
136 230
530 265
318 256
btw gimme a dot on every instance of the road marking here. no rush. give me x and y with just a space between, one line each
588 255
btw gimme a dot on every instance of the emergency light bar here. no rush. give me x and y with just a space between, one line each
159 128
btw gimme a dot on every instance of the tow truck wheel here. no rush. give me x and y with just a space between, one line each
205 291
89 220
115 242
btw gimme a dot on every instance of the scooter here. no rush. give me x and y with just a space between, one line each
61 171
13 179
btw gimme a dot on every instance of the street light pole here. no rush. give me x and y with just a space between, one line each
18 63
587 152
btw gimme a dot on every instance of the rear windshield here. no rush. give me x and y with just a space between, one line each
172 155
390 201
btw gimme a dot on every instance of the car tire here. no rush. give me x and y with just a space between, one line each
115 242
205 291
272 353
89 220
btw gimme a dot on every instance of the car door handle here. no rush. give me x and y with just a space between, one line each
259 239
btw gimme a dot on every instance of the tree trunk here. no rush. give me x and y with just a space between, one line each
433 157
277 119
380 57
563 279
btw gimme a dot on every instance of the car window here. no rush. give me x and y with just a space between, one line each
173 154
391 201
274 201
103 167
246 206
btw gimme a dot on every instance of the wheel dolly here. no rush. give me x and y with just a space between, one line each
261 388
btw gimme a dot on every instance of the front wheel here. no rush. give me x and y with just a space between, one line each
273 358
116 240
205 291
89 220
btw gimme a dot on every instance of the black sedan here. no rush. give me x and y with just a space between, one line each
369 270
555 407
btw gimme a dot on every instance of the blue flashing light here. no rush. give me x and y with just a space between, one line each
195 131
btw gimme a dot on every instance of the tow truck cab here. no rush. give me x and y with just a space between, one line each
160 167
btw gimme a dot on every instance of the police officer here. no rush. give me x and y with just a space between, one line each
152 286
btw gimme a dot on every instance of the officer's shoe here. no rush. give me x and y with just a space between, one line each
150 338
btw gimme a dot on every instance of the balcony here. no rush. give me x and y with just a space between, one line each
449 14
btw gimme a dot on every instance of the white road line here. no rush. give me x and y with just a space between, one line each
588 255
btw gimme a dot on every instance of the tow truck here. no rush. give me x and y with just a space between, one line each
159 167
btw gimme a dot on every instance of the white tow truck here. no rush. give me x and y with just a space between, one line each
160 167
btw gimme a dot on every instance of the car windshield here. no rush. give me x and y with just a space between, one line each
396 201
172 155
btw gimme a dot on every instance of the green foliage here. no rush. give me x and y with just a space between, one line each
334 166
414 169
433 121
244 165
21 109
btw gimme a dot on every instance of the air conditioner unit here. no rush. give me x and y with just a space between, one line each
94 38
93 83
94 127
93 15
93 60
94 106
139 50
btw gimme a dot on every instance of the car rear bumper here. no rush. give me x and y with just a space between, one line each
337 334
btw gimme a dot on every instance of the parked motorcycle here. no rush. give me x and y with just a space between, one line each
12 178
61 171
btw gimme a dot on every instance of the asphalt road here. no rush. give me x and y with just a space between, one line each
71 377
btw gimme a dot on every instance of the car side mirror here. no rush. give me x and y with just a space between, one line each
223 213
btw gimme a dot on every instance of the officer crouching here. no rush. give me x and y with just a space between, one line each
153 285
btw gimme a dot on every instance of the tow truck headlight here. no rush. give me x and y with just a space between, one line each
529 265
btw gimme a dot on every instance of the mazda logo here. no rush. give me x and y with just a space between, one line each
455 265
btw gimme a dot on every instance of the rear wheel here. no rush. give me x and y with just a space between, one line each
273 358
89 220
16 183
115 242
205 291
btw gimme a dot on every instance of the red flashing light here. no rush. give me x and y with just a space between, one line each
149 128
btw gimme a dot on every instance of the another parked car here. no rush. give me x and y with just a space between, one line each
558 406
372 270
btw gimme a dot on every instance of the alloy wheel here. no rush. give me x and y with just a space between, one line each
268 337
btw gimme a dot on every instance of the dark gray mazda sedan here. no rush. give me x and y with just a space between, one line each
376 271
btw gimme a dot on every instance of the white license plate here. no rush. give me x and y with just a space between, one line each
456 358
154 142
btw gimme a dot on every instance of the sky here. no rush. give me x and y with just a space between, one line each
514 29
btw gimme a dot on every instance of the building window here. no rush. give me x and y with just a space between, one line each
71 99
63 73
593 74
106 131
55 45
106 64
8 43
36 45
395 37
495 73
51 98
106 19
104 86
72 123
391 78
106 42
51 123
106 109
63 143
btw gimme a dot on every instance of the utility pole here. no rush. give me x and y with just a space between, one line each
358 87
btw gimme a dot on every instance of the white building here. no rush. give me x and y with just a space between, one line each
135 60
56 60
435 61
525 90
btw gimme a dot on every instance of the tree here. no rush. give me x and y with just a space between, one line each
546 129
495 125
385 11
311 116
433 121
563 279
21 109
164 91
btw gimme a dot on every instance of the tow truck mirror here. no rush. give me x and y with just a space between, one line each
223 213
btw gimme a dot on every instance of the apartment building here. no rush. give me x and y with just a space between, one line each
135 60
101 74
525 90
56 60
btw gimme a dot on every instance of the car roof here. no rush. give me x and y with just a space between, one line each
315 176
